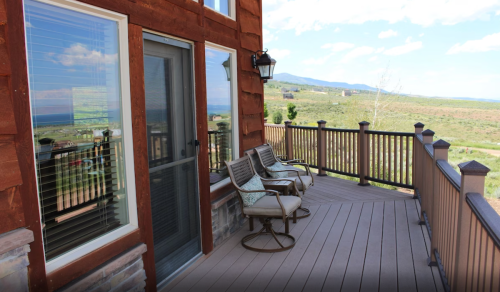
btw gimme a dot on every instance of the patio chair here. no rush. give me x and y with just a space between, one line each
266 207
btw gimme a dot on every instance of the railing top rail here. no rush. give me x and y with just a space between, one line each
274 125
429 149
488 217
341 130
420 137
405 134
303 127
451 174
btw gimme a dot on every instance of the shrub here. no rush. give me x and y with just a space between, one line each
277 118
291 112
266 112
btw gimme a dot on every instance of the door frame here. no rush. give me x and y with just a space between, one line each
185 44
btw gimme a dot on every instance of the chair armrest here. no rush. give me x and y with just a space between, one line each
283 211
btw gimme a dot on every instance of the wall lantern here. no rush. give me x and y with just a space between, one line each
265 64
227 67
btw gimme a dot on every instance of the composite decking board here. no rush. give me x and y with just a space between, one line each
427 240
354 271
308 260
423 273
329 251
320 270
338 267
371 270
406 271
250 273
248 256
268 272
388 261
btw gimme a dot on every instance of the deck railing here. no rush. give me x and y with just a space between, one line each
464 229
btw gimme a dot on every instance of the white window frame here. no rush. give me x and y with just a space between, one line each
234 106
232 9
128 153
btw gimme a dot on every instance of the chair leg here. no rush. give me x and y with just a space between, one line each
250 221
267 229
295 216
287 226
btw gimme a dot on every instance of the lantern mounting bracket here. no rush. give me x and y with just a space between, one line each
254 57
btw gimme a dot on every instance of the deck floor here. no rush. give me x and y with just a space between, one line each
357 239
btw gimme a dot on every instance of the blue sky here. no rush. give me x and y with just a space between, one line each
428 47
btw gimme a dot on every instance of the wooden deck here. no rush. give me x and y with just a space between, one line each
357 239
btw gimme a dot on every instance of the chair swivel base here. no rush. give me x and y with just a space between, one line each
307 213
267 229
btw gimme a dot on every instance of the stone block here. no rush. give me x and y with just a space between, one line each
15 282
127 273
20 251
121 261
14 239
131 282
104 287
138 288
12 264
93 279
223 215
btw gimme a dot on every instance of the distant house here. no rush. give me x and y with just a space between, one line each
294 89
284 90
217 117
318 89
287 96
346 92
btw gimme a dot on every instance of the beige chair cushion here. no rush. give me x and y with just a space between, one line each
269 206
306 179
302 172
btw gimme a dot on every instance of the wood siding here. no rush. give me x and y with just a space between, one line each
184 19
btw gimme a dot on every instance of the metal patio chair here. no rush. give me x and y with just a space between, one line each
270 206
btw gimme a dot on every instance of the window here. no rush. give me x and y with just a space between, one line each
225 7
222 110
80 106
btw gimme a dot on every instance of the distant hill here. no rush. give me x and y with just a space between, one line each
309 81
286 77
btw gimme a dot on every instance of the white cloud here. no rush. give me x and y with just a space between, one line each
378 71
317 61
387 34
373 59
338 47
488 43
408 40
421 35
278 54
78 55
28 24
498 12
338 28
268 36
380 50
303 15
358 52
317 27
404 49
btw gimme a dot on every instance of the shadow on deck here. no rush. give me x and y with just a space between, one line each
357 239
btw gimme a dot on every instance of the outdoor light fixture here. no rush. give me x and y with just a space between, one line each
227 67
265 64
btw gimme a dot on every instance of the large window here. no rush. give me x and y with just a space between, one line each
225 7
80 107
222 110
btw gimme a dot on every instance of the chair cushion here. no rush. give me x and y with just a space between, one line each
275 167
302 172
306 179
254 184
269 206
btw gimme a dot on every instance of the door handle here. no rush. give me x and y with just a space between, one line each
197 145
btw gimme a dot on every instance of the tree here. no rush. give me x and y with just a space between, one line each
277 118
291 112
266 112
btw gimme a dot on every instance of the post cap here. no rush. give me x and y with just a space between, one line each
321 122
473 168
364 123
419 125
428 133
288 122
441 144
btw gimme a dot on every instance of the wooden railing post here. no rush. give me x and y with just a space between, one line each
473 176
427 188
321 148
288 141
417 159
441 148
363 155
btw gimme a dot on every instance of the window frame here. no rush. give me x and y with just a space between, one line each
234 106
232 9
126 111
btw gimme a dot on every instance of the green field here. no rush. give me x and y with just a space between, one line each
464 123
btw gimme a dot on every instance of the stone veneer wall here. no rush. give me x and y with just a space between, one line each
226 217
122 273
14 248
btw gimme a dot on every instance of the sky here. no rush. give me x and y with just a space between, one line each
445 48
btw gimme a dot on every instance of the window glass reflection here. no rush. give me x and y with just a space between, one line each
219 5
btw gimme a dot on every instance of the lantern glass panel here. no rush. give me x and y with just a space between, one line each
264 71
